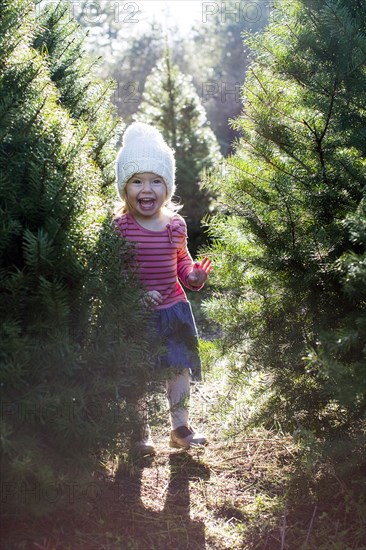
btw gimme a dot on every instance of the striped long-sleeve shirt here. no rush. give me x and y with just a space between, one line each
162 257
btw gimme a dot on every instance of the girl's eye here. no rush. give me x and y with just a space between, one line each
157 181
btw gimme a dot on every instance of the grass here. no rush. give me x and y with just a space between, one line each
248 491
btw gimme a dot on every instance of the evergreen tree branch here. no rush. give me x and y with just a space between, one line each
330 110
257 196
270 161
270 104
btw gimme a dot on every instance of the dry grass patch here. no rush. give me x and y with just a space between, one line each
250 491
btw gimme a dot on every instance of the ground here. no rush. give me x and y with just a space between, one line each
248 490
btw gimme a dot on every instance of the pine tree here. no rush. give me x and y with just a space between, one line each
219 59
147 47
290 242
171 103
69 347
112 37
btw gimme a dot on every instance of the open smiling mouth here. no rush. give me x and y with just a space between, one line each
146 204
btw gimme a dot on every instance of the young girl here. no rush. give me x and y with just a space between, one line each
145 171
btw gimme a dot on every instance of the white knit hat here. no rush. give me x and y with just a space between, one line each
144 150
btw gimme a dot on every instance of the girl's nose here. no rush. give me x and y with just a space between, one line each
146 186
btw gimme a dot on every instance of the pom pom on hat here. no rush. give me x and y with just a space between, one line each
144 150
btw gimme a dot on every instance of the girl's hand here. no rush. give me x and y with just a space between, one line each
200 272
152 298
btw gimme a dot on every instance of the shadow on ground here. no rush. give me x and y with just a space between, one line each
172 527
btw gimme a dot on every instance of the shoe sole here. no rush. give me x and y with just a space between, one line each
175 445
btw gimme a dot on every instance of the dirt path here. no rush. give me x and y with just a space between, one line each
247 491
196 499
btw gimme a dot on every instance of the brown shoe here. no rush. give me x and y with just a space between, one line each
185 437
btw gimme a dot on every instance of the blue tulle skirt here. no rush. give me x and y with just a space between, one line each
177 328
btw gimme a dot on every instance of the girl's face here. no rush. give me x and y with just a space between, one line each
146 194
